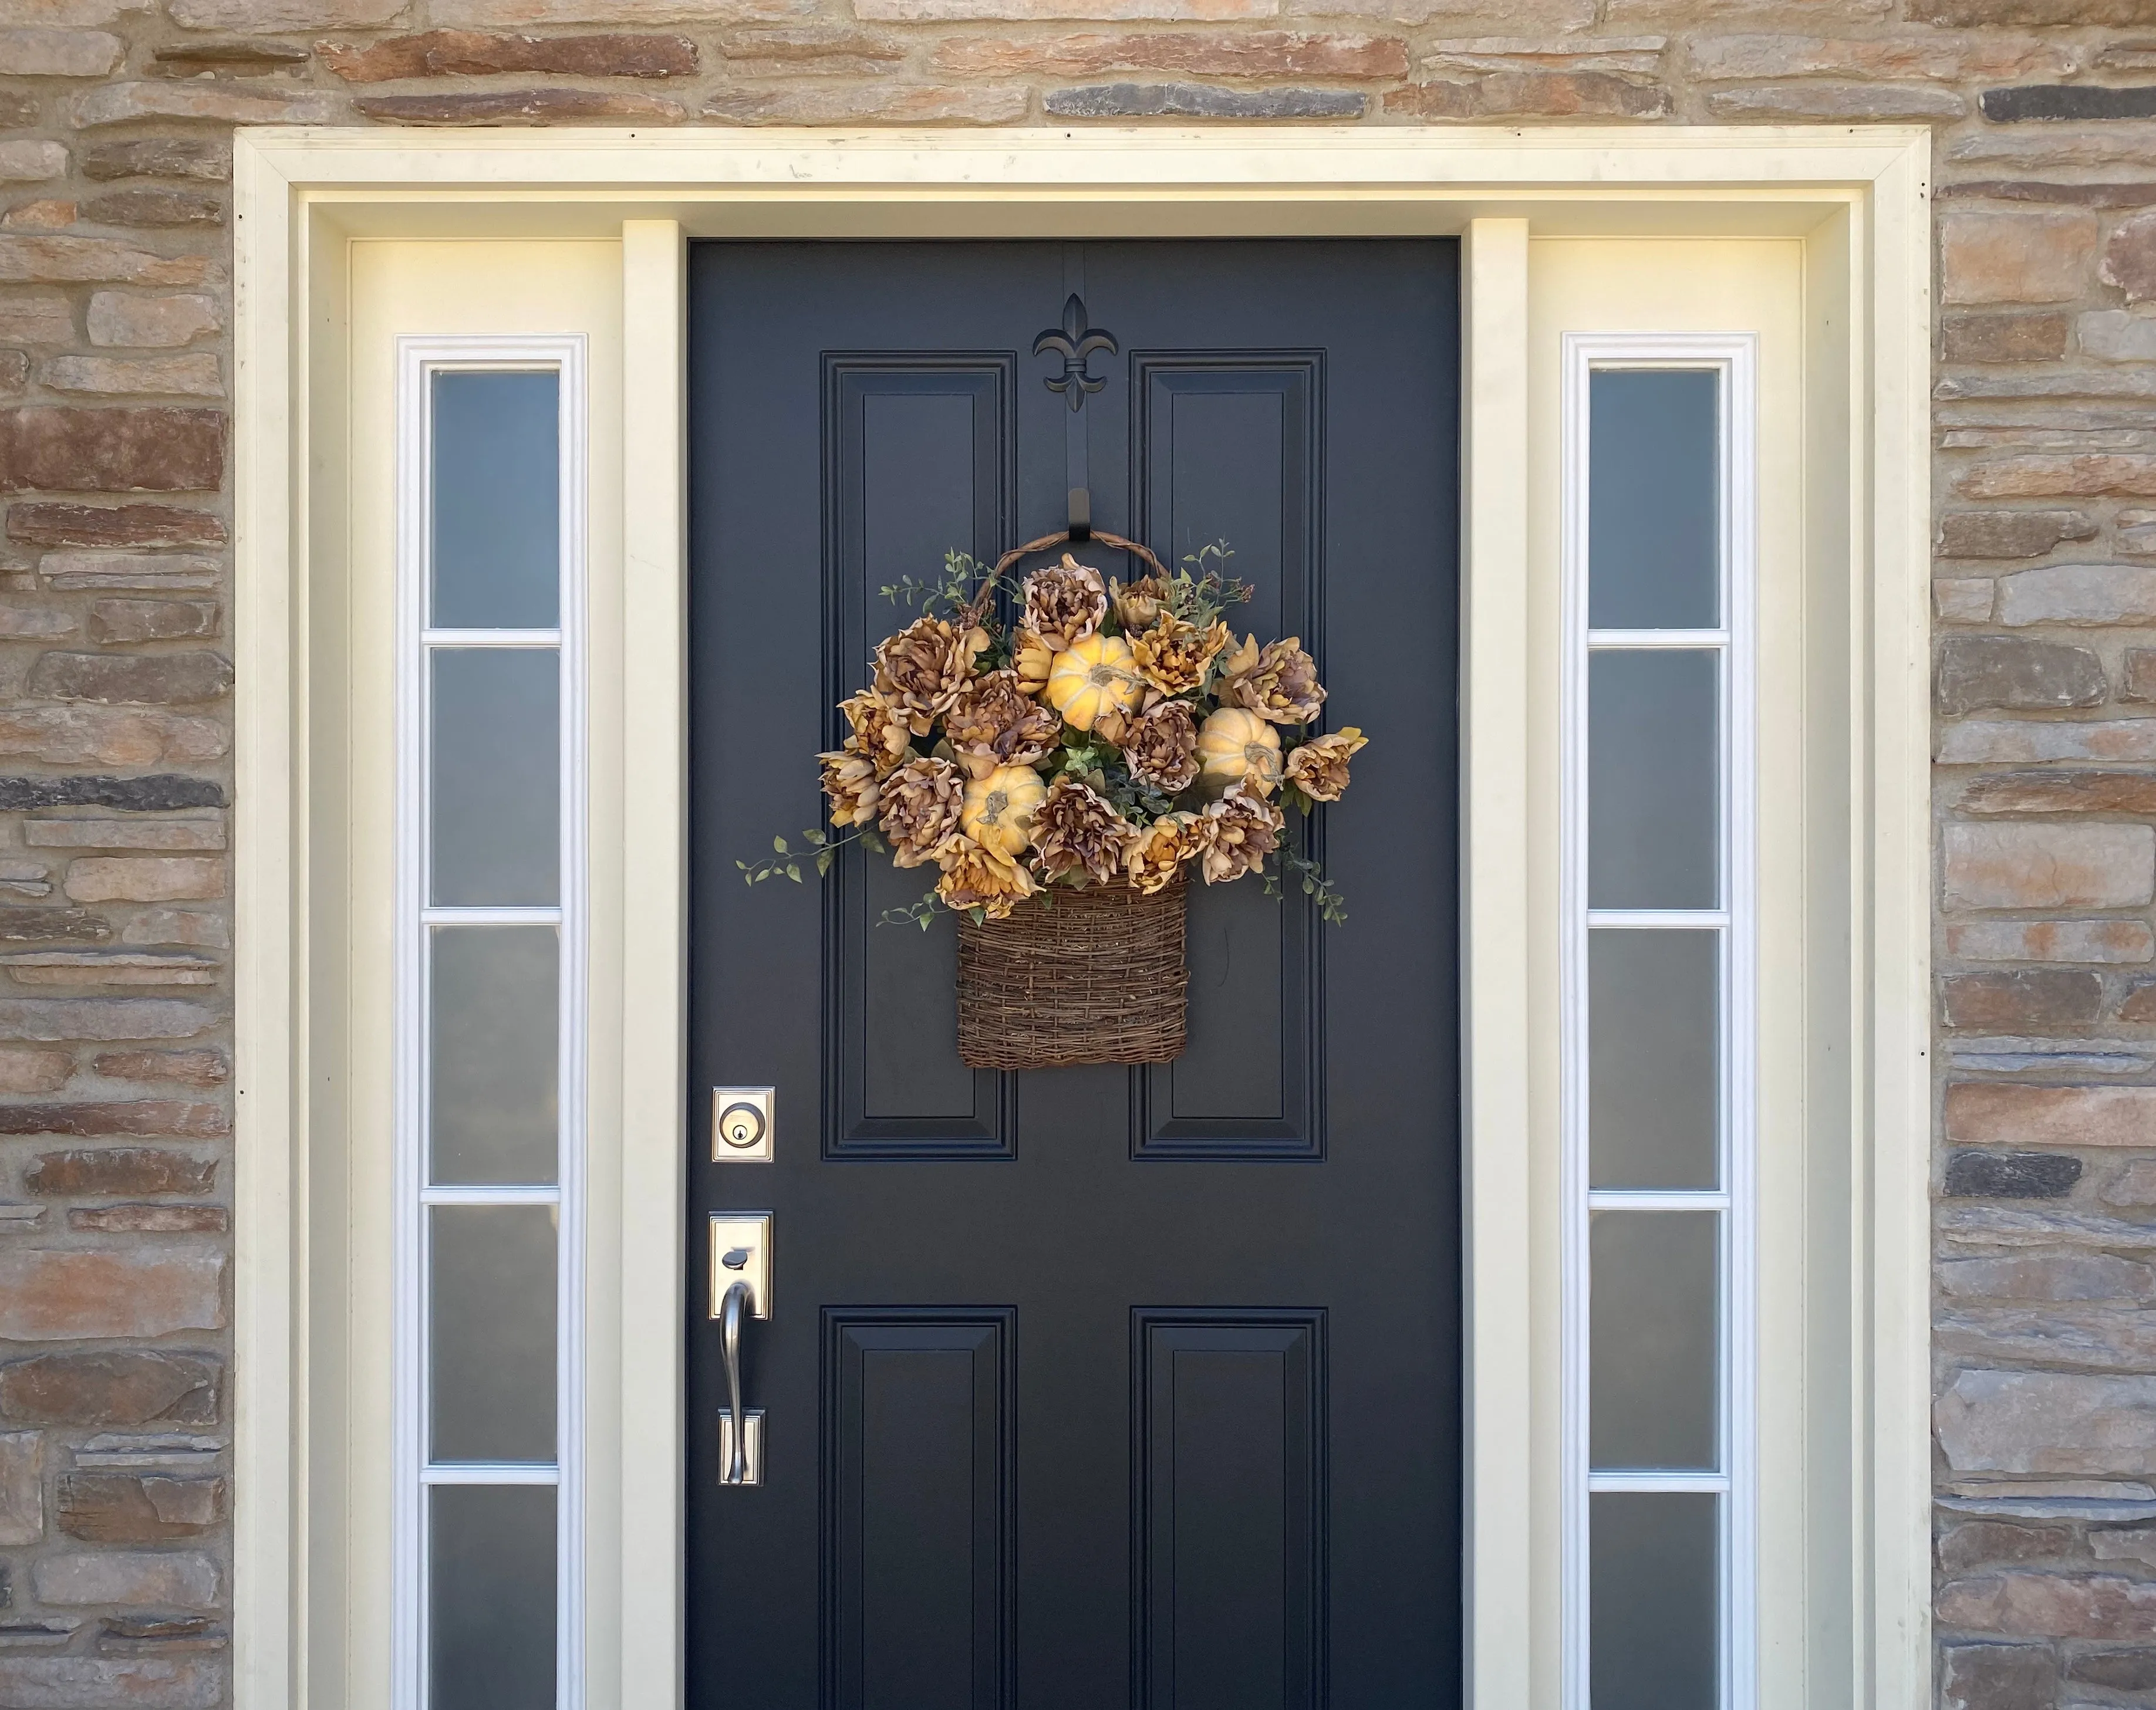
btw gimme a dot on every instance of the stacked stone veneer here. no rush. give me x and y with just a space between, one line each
114 724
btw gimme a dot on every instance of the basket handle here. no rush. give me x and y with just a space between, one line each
1142 554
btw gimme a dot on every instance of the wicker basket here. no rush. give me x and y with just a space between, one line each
1074 976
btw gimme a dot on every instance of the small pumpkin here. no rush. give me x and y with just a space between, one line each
999 810
1237 747
1092 677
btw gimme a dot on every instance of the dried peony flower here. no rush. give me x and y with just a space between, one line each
1032 658
975 878
1064 603
920 804
1280 684
1319 768
852 780
1160 746
1162 848
994 724
922 669
1077 832
1241 830
1174 655
879 731
1139 605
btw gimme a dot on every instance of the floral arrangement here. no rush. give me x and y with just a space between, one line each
1104 733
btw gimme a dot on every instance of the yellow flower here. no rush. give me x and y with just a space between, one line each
1162 848
1279 683
1091 677
975 878
1240 831
852 781
880 732
1031 657
1319 768
1174 655
922 669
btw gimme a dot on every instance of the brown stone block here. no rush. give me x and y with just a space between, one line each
2015 257
152 620
35 317
151 679
123 1387
2010 534
198 375
2088 475
450 52
521 106
1924 54
90 830
153 450
21 925
2052 941
2008 1114
163 879
74 1296
63 260
1979 671
118 1507
127 103
155 208
1193 100
1857 102
2140 1003
2029 1423
814 49
1987 14
2122 1670
160 1635
59 1019
240 58
19 111
283 16
109 1683
1979 1543
150 1220
22 1488
2060 1277
95 735
192 1068
2129 257
2004 1000
159 157
126 1171
2003 338
1048 11
1532 94
28 1068
49 524
110 968
2062 792
883 104
1995 1676
1264 54
612 14
156 1578
2105 193
2051 1606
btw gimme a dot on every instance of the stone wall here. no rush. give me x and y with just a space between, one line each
114 724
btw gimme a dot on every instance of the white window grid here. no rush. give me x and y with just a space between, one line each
418 359
1733 357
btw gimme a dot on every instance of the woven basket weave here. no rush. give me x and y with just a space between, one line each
1093 975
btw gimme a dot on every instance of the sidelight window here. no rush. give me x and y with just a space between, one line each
1657 958
489 977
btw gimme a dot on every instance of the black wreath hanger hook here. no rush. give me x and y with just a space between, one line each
1076 342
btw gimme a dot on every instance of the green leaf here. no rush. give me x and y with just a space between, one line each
779 844
824 862
793 873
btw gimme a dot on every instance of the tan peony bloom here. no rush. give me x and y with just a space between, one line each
994 724
1240 831
852 780
879 732
1174 655
1077 832
1064 603
974 877
920 804
1139 605
1319 768
1032 658
1162 848
921 669
1161 747
1279 683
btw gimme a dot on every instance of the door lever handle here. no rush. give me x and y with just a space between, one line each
730 1323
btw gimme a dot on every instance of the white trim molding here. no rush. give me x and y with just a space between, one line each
1854 197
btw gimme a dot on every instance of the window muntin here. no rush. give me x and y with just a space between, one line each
1657 952
489 1020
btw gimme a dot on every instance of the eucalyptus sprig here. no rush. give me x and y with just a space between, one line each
1331 906
823 849
967 587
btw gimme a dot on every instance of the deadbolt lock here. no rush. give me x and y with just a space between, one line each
741 1124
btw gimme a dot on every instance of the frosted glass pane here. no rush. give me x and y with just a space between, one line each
1653 1104
1653 744
490 1591
494 1017
497 793
1654 1562
1654 524
491 1311
1652 1360
497 494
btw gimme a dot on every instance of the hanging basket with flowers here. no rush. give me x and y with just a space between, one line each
1062 750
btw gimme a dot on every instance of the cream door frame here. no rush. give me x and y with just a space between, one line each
1858 197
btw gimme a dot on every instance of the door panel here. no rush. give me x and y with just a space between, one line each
1091 1387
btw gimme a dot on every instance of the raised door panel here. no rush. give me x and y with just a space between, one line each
919 462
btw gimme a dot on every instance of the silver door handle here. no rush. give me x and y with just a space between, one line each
730 1323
